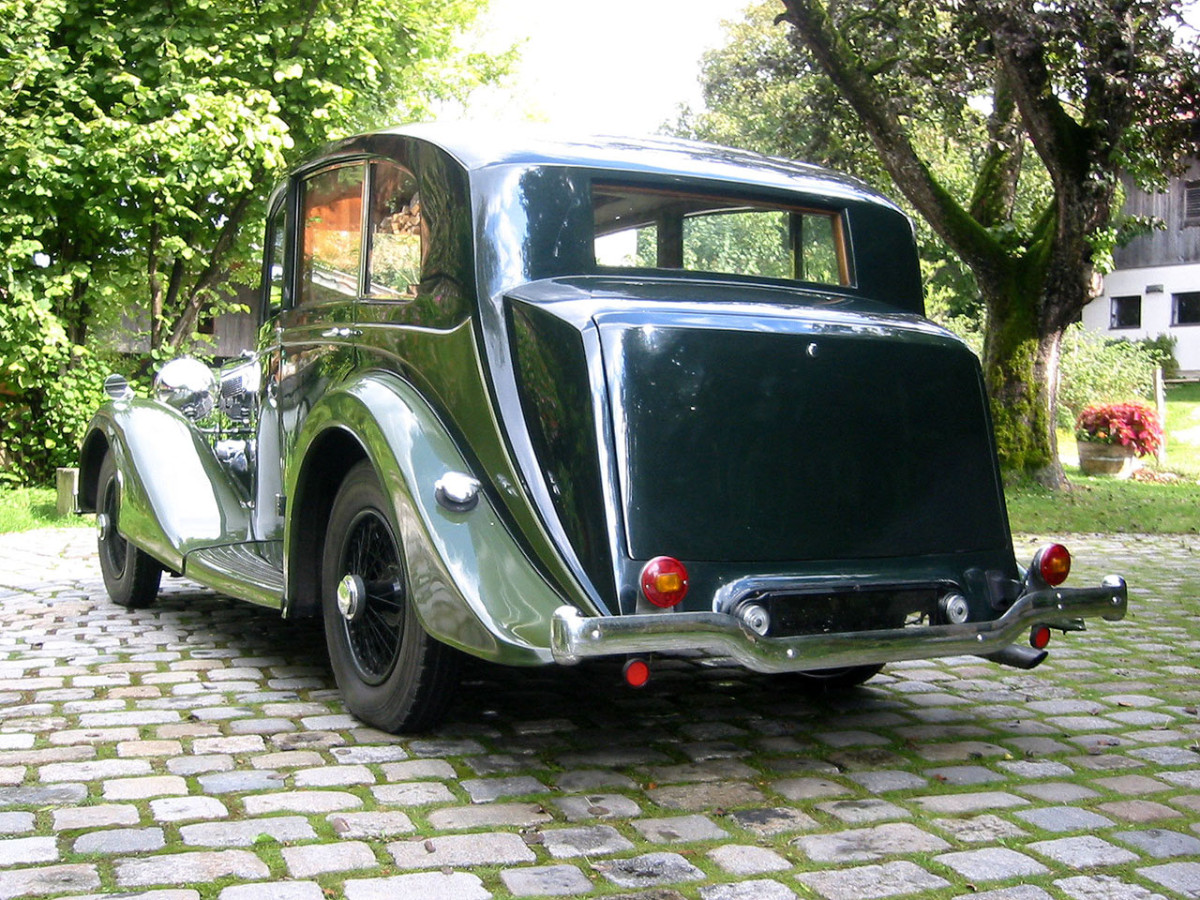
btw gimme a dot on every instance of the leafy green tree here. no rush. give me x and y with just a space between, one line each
138 141
762 92
1046 103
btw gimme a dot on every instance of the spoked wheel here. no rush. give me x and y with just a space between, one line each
131 576
391 673
836 679
370 597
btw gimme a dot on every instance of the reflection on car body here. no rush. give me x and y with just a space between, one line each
545 401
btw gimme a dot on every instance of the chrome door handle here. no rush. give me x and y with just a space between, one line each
341 333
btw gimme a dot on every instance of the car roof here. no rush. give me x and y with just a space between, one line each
478 147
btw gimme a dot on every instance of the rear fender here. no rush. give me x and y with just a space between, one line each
472 585
175 495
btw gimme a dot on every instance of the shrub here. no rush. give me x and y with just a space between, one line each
1162 350
1129 424
40 427
1094 370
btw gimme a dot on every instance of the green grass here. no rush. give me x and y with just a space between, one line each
1105 505
1183 429
23 509
1112 506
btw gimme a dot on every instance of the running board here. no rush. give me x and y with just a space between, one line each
239 570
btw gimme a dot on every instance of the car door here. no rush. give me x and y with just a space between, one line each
267 521
315 326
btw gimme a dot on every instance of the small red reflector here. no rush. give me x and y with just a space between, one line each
1039 637
1054 564
664 581
636 672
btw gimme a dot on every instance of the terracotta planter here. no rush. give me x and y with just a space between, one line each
1116 460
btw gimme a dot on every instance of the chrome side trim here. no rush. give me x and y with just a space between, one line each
574 637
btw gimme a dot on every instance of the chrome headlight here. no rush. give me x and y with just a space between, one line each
117 387
187 385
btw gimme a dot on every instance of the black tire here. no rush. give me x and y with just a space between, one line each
839 679
392 674
131 576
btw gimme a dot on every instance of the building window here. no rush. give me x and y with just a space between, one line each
1126 312
1185 308
1191 203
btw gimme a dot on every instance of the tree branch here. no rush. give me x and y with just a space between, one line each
1057 138
155 283
996 184
839 62
214 268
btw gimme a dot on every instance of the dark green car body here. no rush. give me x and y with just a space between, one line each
545 416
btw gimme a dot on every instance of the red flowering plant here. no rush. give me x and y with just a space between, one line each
1130 424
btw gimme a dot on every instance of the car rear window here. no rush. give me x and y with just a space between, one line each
645 228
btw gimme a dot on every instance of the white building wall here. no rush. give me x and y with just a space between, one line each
1155 285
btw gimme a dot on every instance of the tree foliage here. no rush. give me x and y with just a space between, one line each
763 92
1006 124
138 141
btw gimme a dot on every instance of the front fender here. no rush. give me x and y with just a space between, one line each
175 496
472 585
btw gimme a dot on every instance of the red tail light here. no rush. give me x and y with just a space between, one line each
1053 563
636 672
664 581
1039 637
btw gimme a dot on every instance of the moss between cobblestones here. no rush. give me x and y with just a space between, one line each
212 890
270 851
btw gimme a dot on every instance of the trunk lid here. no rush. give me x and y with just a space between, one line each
742 439
800 437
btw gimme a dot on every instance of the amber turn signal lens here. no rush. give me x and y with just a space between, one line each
1053 564
1039 637
664 581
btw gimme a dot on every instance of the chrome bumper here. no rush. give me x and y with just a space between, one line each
574 637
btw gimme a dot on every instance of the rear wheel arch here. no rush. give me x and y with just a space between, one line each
327 462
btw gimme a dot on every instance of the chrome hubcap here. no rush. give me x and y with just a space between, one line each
350 594
103 526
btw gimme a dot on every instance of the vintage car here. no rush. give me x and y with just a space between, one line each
543 401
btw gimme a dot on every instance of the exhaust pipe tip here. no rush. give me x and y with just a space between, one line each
1017 657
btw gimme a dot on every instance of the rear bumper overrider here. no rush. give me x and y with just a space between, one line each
574 637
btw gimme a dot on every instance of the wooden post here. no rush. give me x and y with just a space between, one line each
1160 402
68 487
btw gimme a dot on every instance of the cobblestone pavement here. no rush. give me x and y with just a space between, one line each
197 749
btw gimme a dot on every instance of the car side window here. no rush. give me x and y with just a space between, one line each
331 215
396 233
275 260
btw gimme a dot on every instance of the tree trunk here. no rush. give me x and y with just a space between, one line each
215 271
1020 362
